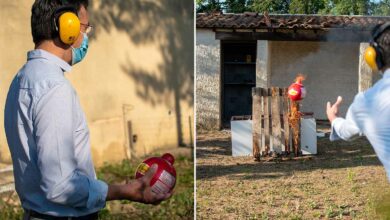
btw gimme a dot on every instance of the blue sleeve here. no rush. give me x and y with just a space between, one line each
55 118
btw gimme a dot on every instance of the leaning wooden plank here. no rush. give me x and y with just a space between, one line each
295 126
282 139
256 124
262 142
266 93
275 117
286 125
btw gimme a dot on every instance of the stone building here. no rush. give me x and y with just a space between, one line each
136 82
236 52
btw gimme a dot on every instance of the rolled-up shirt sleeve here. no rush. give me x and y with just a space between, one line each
55 119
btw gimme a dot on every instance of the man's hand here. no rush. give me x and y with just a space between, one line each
138 190
332 110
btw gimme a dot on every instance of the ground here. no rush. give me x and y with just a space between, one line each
180 206
344 181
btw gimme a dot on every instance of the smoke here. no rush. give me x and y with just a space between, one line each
329 69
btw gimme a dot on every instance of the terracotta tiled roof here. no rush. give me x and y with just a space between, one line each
259 21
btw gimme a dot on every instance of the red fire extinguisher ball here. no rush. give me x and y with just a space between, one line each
164 179
296 91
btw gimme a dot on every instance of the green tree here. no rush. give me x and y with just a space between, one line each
237 6
306 6
381 9
208 5
324 7
350 7
272 6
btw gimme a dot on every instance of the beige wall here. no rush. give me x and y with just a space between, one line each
139 68
208 81
331 68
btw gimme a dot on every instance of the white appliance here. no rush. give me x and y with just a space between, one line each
241 133
308 135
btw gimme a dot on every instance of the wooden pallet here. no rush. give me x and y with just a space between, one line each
272 133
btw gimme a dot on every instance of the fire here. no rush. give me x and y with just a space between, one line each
296 92
294 121
300 77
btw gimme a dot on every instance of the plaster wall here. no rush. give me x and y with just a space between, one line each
331 69
139 68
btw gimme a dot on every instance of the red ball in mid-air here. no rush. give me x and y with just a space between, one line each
164 180
296 91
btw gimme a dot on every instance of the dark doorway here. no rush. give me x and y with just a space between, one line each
238 78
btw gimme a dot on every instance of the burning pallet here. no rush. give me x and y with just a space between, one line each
276 120
270 121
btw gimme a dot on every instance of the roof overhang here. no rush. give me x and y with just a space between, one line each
255 26
329 35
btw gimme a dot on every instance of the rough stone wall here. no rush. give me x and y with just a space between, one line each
208 84
331 69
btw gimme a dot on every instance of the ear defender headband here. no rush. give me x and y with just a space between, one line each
374 53
67 24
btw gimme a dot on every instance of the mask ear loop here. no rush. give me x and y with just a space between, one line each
84 35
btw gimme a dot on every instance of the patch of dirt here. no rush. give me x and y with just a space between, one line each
344 181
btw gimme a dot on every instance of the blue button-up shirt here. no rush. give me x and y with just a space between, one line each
369 114
49 142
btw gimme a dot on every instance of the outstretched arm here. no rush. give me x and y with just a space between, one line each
341 128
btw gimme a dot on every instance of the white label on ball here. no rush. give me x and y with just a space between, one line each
167 178
159 187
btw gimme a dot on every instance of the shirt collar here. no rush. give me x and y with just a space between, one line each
387 73
42 54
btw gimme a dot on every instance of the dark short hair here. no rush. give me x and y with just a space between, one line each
384 42
42 11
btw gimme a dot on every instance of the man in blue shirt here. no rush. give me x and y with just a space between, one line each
46 129
369 114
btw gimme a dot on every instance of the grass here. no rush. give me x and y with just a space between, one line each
179 206
10 210
344 181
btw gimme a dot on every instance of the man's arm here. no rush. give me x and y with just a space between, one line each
341 128
138 190
60 179
54 121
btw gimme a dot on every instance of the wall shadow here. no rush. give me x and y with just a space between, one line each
166 22
331 155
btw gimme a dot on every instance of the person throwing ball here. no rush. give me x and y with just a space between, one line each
369 113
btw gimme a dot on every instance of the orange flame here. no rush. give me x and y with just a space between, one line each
300 77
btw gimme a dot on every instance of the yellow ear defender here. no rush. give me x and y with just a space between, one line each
370 57
67 24
69 27
374 53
